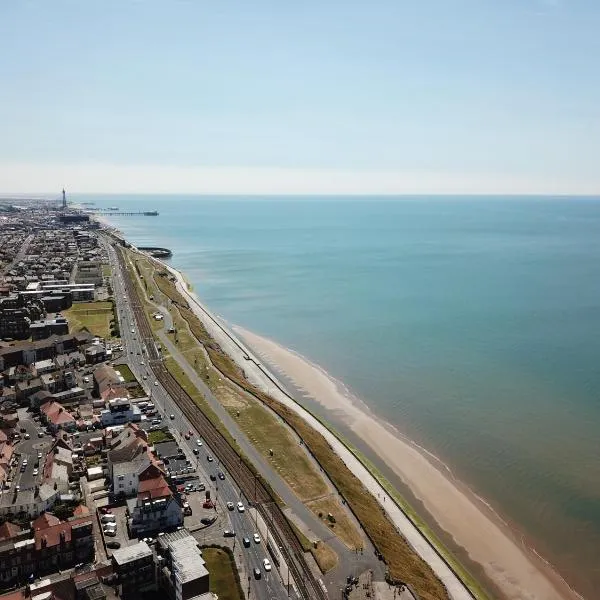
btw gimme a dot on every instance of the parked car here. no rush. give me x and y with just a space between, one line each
209 458
221 475
35 472
110 533
229 533
196 451
108 518
172 417
257 573
199 442
213 477
26 436
208 520
113 545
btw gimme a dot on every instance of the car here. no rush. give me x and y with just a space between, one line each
208 520
246 542
257 573
113 545
240 507
156 383
156 421
22 469
256 538
144 376
229 533
188 488
187 436
105 510
40 434
230 505
17 488
110 533
22 430
266 564
142 363
213 477
24 462
209 458
35 472
26 436
108 518
39 455
196 451
172 417
200 487
199 442
221 475
86 379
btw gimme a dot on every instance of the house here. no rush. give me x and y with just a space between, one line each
56 417
39 398
104 378
183 574
125 476
134 567
25 389
155 509
96 353
119 412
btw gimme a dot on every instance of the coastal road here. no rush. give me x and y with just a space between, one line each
349 561
271 585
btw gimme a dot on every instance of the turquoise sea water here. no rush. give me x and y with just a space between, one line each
472 324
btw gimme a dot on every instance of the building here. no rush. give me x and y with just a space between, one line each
119 412
105 377
135 570
56 417
181 569
126 476
155 509
51 545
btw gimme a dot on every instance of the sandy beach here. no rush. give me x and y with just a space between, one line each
514 569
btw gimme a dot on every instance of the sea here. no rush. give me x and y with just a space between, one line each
472 324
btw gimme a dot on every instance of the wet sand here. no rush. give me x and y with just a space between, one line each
473 526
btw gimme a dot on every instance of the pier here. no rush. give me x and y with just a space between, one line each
156 252
141 213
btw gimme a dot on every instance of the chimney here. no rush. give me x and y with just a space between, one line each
44 541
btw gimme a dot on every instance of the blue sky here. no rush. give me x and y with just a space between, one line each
434 95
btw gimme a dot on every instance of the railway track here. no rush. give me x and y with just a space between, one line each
309 588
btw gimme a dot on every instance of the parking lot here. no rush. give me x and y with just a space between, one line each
121 533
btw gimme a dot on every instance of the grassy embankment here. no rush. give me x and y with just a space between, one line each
259 424
159 435
94 317
223 580
402 562
125 373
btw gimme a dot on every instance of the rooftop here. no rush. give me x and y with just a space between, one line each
131 553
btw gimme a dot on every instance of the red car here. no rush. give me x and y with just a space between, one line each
187 436
105 511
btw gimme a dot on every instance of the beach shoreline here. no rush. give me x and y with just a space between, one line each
517 571
276 355
520 572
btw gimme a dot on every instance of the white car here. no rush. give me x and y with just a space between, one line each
257 538
240 507
199 442
266 564
156 383
35 472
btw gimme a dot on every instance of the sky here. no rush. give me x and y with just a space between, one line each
317 96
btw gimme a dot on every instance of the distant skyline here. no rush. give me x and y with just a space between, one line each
330 97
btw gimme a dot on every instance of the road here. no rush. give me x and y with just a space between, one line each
19 255
28 449
271 585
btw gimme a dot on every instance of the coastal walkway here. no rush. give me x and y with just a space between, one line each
349 561
262 378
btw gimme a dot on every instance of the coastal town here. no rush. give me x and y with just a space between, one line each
109 486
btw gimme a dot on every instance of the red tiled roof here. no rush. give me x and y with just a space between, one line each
61 417
156 487
44 521
52 534
9 530
19 595
81 511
